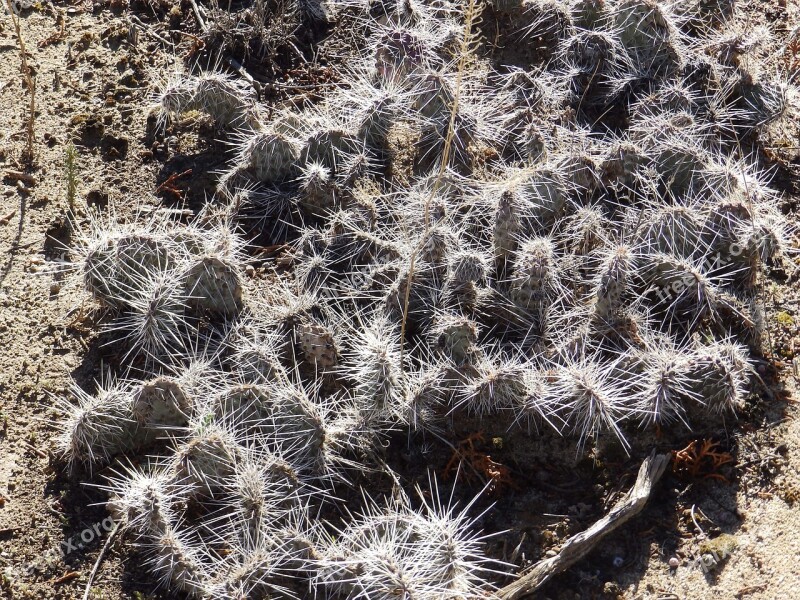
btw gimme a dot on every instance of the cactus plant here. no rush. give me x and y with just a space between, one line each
594 398
270 156
213 283
221 96
423 555
95 428
649 35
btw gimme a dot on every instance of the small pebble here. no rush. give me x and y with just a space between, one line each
674 563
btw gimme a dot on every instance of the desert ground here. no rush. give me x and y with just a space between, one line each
97 65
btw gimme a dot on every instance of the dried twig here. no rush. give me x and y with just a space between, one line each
103 550
578 546
149 30
65 577
471 16
20 176
198 15
750 589
71 175
40 453
5 219
29 83
58 35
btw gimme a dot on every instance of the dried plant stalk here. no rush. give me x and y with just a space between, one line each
29 83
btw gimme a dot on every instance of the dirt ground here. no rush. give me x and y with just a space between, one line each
94 71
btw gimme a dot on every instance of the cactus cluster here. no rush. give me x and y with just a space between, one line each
571 244
155 277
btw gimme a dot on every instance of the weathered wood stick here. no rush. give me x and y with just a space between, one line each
578 546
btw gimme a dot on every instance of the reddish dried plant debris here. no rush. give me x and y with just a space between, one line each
701 459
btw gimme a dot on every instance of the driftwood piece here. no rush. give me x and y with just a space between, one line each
578 546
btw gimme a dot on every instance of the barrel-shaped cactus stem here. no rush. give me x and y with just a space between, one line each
594 399
94 427
213 284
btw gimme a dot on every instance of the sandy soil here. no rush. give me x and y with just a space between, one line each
88 89
93 72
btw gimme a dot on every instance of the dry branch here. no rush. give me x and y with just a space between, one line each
99 560
578 546
29 83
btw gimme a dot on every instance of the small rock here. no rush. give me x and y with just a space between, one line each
128 78
674 563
